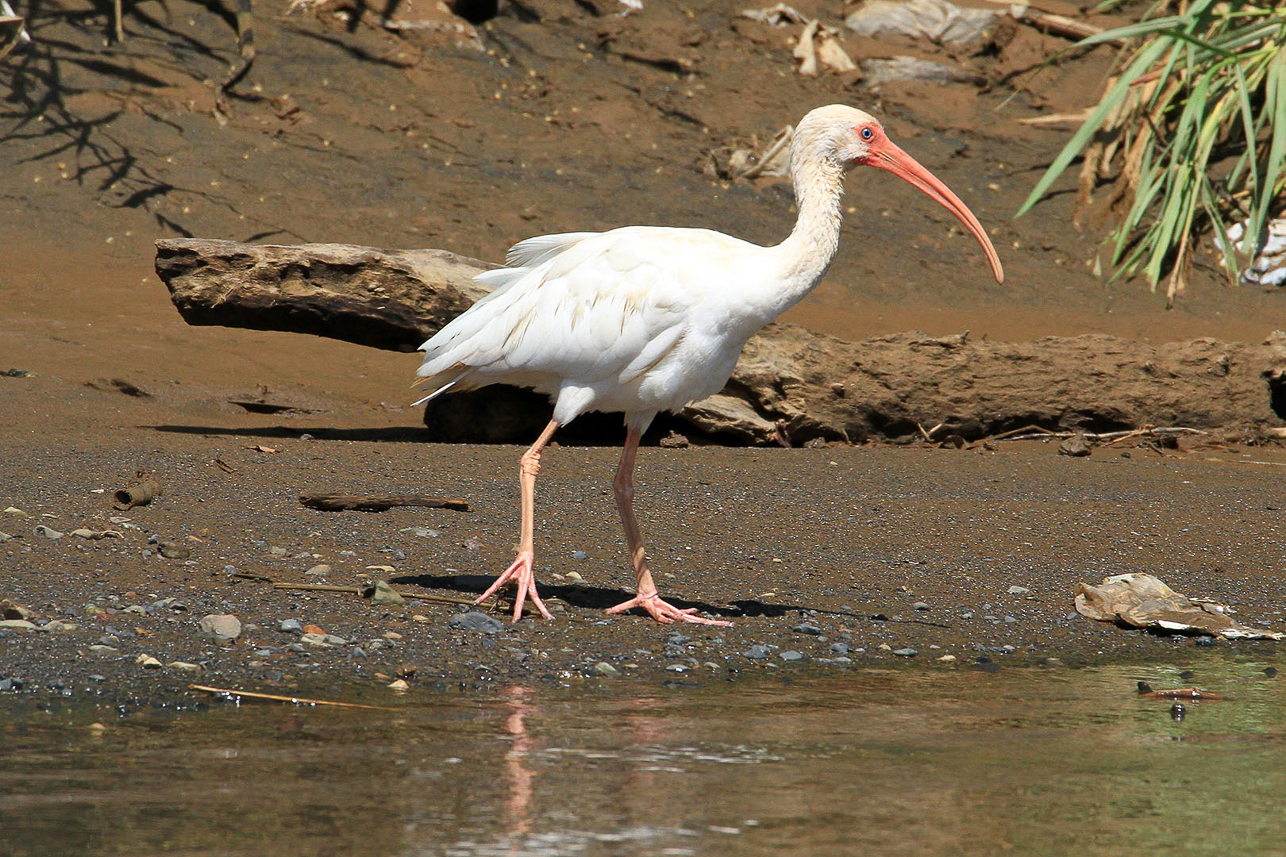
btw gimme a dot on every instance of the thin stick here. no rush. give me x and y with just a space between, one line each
495 604
344 502
1148 431
293 700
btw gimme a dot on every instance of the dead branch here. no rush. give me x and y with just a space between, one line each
347 502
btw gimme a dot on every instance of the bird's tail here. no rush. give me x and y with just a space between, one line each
441 382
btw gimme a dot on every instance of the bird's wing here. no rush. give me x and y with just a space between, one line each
604 309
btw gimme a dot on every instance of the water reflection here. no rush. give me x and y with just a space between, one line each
906 762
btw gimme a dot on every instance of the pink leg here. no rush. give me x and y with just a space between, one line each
647 596
521 571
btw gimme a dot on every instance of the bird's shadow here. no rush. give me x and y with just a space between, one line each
595 597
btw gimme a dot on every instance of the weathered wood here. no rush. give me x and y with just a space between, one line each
385 299
791 385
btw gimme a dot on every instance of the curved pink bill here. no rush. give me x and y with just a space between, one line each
887 156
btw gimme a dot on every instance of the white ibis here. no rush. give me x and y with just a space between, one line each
645 319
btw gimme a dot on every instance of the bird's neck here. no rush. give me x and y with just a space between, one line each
807 253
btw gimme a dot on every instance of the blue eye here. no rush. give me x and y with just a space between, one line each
867 133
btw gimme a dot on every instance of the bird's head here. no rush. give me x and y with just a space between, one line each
854 138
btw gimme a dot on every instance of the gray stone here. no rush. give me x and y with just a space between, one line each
385 596
839 648
757 653
921 606
604 668
47 532
808 628
479 622
1018 590
18 624
792 655
291 626
908 652
221 626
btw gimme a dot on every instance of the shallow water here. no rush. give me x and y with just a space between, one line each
1039 761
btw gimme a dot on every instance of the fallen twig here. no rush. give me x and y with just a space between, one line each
345 502
293 700
1038 433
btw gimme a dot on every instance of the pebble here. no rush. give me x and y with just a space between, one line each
174 550
10 684
318 640
422 532
290 626
907 652
475 621
756 653
17 513
579 555
59 625
47 532
808 628
319 569
276 551
185 666
95 535
792 655
148 662
18 624
102 649
921 606
1018 590
839 648
399 685
221 626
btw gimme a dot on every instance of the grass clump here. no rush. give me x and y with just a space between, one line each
1191 132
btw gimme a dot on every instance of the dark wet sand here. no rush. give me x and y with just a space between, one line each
847 539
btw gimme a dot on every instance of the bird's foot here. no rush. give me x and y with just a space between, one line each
664 612
521 574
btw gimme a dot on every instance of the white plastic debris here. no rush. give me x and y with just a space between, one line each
776 16
819 44
1269 266
936 20
895 69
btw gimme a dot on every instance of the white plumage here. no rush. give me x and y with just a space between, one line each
646 319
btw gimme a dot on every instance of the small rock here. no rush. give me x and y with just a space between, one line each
399 686
385 596
184 666
792 655
420 617
13 610
103 649
1018 590
406 670
757 653
475 621
278 551
290 626
579 555
18 624
921 606
808 628
319 569
60 625
1075 446
148 662
222 627
174 550
572 575
318 640
839 648
907 652
947 658
604 668
96 535
392 635
47 532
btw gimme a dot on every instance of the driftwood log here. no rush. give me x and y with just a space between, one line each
791 385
